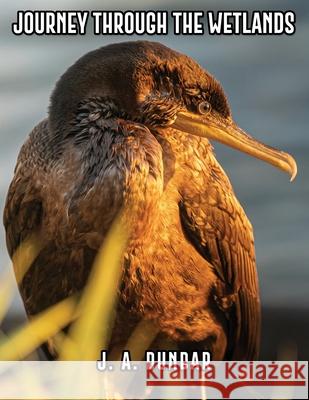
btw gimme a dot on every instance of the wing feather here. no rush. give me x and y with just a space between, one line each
225 239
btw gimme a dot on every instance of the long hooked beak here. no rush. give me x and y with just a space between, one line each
227 132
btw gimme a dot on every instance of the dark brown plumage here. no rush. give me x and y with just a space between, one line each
124 132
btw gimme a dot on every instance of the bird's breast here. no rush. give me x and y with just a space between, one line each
165 279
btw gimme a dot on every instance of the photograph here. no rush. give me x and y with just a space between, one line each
154 193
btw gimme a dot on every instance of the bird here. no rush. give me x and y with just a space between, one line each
130 129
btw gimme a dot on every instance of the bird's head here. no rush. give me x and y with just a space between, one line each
160 88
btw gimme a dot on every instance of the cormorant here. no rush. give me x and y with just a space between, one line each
128 129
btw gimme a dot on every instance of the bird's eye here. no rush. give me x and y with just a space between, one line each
204 107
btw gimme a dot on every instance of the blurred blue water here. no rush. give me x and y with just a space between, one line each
266 79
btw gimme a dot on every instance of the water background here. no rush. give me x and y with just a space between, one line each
267 82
